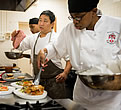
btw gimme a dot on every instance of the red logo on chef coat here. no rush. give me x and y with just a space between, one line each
111 38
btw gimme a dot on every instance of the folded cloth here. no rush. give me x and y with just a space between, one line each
17 37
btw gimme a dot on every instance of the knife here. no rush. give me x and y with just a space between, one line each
37 77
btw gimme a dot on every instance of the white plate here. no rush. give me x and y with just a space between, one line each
16 85
26 96
10 90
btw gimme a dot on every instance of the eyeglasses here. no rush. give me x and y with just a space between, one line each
77 18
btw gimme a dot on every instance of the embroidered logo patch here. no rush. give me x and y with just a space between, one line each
111 38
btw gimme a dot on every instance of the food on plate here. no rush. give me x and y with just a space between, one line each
10 74
33 90
24 83
21 77
10 78
3 87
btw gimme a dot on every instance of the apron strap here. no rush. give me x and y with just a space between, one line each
35 66
35 45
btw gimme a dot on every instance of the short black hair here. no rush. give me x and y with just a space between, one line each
33 21
50 14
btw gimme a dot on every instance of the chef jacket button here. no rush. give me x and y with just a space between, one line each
81 63
94 36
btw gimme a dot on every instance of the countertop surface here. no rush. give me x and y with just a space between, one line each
67 103
12 98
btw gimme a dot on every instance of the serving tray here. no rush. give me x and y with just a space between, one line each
15 75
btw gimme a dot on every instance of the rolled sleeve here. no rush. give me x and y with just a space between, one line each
66 58
51 51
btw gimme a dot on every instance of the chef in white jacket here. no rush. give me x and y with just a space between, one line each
33 25
90 40
53 73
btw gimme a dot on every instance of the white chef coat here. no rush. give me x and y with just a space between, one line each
87 48
29 41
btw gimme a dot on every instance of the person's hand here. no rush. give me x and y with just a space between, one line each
61 77
17 37
13 35
41 58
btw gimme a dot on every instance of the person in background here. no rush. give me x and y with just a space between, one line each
33 25
34 28
52 78
89 40
71 77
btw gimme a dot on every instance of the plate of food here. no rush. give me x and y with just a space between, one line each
31 92
20 84
4 90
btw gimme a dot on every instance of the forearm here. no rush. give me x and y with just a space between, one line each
62 76
67 67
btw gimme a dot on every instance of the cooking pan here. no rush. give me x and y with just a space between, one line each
16 55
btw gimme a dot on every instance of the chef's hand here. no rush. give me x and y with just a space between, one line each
41 58
61 77
13 34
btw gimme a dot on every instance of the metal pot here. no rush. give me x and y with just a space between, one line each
102 82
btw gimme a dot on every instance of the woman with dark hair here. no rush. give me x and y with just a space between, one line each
53 73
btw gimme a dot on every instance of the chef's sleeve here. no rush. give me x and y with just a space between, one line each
57 48
66 58
25 44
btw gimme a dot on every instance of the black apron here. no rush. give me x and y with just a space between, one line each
55 90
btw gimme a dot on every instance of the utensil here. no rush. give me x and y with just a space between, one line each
13 55
37 77
102 82
16 55
103 77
